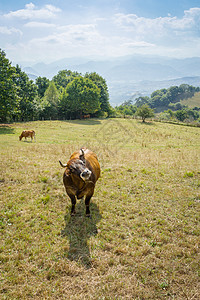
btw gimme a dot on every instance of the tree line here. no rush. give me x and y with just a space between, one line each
69 95
165 103
170 98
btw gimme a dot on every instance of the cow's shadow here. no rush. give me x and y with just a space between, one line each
79 229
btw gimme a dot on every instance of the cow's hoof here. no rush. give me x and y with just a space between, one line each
88 216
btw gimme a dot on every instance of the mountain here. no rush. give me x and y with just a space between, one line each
129 76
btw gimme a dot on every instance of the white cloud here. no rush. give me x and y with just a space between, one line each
120 34
39 25
30 6
139 44
31 12
159 26
8 31
81 36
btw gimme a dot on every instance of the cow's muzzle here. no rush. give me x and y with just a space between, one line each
85 175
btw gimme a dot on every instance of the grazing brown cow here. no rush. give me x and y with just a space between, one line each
86 116
27 133
82 172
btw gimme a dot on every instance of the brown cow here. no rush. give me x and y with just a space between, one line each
82 172
27 133
86 116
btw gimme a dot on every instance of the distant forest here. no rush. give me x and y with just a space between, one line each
71 95
166 103
168 98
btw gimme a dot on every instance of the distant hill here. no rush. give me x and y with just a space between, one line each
130 76
192 102
127 90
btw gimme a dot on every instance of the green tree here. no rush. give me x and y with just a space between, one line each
142 100
126 108
80 97
42 85
104 95
8 89
170 112
63 78
181 115
26 91
50 102
193 114
144 112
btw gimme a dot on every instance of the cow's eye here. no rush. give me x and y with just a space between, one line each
72 170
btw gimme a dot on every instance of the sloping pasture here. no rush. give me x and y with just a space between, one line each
142 241
192 102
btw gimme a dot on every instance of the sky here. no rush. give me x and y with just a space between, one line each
46 30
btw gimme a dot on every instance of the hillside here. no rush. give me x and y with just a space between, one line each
192 102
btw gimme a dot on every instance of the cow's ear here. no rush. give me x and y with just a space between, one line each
82 156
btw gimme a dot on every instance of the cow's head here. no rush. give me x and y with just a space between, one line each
78 167
20 137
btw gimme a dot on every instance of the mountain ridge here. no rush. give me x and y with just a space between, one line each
127 75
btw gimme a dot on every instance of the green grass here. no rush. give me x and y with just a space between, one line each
143 239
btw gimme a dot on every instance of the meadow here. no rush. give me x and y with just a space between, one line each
142 241
192 102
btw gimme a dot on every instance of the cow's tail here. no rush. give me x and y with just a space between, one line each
64 166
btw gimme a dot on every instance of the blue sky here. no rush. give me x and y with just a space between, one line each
45 30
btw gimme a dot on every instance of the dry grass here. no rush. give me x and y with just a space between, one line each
143 239
192 102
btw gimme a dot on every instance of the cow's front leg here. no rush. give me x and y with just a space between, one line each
87 204
73 200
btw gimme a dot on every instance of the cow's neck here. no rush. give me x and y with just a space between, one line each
78 182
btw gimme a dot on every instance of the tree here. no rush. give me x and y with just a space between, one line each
193 114
181 115
42 85
144 112
127 103
26 92
80 97
63 78
104 96
142 100
8 89
50 102
65 106
126 108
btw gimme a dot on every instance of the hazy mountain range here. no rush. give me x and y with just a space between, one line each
130 76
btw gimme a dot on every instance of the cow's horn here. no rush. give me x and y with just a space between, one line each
64 166
82 155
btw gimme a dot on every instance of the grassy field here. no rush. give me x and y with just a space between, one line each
192 102
142 241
